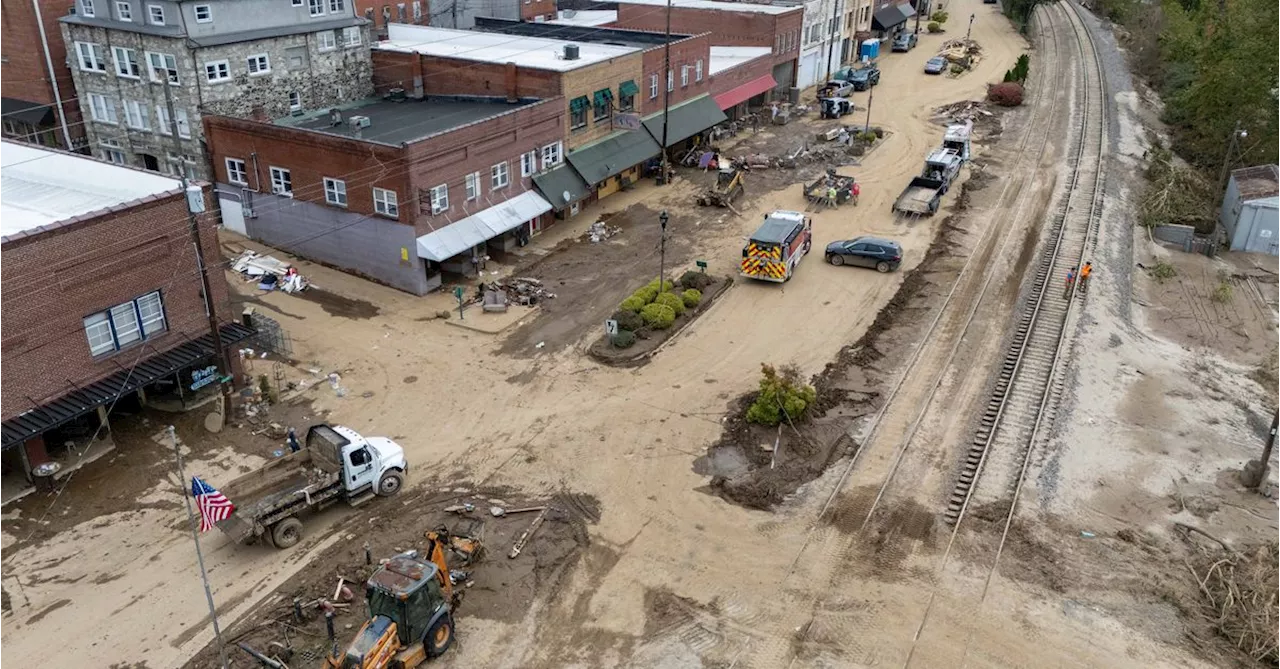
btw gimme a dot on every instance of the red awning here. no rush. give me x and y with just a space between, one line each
736 96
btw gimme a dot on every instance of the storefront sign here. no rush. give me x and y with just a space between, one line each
203 377
626 121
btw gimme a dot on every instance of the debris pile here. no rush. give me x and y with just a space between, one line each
965 110
600 231
965 53
269 272
1239 597
525 291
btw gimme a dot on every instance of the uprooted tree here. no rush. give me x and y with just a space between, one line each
784 396
1176 195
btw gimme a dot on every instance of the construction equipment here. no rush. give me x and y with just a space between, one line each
832 190
777 247
411 605
336 464
728 187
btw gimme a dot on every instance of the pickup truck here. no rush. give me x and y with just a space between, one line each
923 195
337 464
836 88
865 77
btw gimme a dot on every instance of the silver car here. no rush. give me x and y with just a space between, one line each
936 65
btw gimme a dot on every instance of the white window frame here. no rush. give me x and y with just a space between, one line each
136 115
671 80
315 7
335 192
152 12
92 57
698 70
472 186
298 3
87 8
103 109
216 77
439 198
124 11
499 176
417 10
351 37
237 172
208 13
281 181
258 64
528 163
172 73
337 6
326 40
653 87
295 101
163 121
123 325
552 155
386 202
114 156
127 58
684 76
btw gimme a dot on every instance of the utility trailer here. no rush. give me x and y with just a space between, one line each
819 193
337 464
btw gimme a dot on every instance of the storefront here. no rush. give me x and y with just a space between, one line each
462 247
888 21
614 162
686 121
564 188
738 100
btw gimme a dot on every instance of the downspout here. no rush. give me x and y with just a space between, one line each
53 77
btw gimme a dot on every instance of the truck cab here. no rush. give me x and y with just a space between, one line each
367 463
943 165
957 137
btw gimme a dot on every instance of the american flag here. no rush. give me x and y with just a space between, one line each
214 506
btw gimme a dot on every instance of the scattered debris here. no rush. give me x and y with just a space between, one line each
959 112
528 534
525 291
269 272
965 53
600 231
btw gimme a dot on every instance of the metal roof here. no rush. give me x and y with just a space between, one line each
777 227
609 156
739 7
1256 182
561 179
891 17
687 119
481 226
537 53
81 401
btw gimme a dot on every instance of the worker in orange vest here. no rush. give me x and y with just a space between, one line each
1084 276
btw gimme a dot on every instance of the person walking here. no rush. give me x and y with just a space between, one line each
1071 279
1084 277
755 124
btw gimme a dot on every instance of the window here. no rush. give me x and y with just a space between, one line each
400 12
91 57
155 15
335 191
351 36
162 65
671 81
684 76
124 324
204 13
337 6
86 8
326 41
102 108
602 104
295 101
653 87
113 156
698 70
126 62
135 115
166 124
259 64
578 113
384 202
472 183
315 7
217 71
551 155
440 198
124 11
528 163
297 3
236 173
281 182
499 177
417 10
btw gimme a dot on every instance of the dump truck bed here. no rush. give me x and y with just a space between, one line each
296 479
920 196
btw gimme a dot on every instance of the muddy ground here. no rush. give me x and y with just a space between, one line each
501 588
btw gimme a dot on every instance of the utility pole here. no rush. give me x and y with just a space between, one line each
871 91
1236 135
666 106
195 535
918 4
662 252
831 45
224 365
1266 452
970 30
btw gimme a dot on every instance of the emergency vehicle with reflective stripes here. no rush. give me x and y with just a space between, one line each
774 251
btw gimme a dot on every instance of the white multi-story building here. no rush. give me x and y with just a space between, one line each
266 58
821 41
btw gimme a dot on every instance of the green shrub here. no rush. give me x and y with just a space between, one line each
957 69
632 305
666 285
628 320
935 27
658 316
781 392
695 280
691 297
646 294
1163 271
624 339
671 300
939 17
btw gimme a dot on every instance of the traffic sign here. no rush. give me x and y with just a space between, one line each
611 327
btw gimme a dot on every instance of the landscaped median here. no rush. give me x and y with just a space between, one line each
653 314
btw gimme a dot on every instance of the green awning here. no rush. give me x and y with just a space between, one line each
577 104
612 155
602 97
556 182
628 87
687 119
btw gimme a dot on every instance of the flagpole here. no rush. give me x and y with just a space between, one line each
195 535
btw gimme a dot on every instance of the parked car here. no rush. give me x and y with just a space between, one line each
865 77
882 254
836 88
935 65
904 42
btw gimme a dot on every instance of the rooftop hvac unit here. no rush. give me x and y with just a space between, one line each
396 95
360 121
571 52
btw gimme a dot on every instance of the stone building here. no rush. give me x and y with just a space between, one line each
260 58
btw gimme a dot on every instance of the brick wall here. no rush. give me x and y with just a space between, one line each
26 75
585 81
736 76
530 10
51 281
382 12
450 76
684 53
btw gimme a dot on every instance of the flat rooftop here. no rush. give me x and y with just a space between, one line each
719 6
725 57
397 123
532 52
39 187
576 34
585 17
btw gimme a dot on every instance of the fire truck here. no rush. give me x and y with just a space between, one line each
774 251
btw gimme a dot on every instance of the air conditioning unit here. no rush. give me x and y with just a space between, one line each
359 121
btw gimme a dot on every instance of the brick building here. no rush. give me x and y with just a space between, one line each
226 57
39 99
384 13
102 303
398 190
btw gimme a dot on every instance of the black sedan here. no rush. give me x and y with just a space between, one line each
865 77
881 254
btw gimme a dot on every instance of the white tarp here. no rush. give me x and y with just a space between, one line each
482 226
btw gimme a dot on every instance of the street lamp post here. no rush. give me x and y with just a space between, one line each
918 4
662 249
1237 134
970 30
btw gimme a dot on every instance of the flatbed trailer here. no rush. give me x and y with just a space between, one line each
921 196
